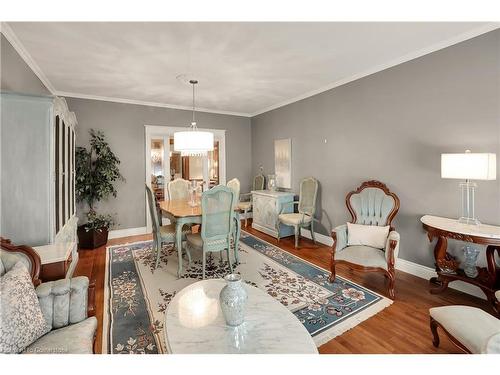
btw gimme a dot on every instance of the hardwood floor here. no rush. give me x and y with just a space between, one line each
403 327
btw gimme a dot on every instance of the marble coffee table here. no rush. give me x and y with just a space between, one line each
194 324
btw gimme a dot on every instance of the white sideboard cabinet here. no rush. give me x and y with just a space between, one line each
266 208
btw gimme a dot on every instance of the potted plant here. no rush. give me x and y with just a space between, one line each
96 173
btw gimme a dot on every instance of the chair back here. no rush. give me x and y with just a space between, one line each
372 204
259 182
307 196
216 214
178 189
234 185
153 211
10 254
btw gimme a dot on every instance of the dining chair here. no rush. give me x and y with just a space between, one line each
245 199
162 233
234 185
306 209
372 205
216 224
178 189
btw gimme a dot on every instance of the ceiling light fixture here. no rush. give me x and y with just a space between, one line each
193 142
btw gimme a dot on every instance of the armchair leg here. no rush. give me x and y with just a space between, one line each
297 234
246 217
332 274
435 334
392 282
278 230
312 232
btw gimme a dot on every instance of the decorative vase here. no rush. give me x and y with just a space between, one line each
233 298
470 268
271 182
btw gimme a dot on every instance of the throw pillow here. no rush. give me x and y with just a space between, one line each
21 319
367 235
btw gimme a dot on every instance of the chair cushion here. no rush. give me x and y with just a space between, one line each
294 219
363 255
74 339
367 235
21 319
245 205
469 325
493 344
167 232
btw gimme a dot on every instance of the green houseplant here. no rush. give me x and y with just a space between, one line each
96 174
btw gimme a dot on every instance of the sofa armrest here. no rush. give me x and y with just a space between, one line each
340 237
393 236
66 301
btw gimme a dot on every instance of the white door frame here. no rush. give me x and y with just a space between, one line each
165 132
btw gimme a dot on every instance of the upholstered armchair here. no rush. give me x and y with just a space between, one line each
245 199
371 204
306 209
67 305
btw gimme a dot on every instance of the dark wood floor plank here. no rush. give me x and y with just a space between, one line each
403 327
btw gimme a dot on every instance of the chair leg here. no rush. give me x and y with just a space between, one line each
229 259
188 252
158 252
246 217
278 230
312 232
204 262
297 233
435 334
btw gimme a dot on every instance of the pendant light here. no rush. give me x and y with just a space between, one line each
193 142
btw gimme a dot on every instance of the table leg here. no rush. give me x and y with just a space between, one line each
178 244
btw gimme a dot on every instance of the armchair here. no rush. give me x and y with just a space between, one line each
245 200
370 204
67 305
306 209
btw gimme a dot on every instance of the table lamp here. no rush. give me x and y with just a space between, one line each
468 166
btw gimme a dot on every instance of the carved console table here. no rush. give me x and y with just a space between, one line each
488 278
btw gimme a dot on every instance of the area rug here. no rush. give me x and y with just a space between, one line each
137 295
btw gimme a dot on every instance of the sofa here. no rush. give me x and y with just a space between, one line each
67 305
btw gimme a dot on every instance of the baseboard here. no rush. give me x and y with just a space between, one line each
127 232
403 265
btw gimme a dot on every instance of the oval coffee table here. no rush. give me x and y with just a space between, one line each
194 324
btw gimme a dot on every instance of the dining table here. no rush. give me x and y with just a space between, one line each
184 211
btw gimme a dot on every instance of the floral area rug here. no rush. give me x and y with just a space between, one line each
137 295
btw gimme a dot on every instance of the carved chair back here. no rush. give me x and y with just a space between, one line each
307 196
372 204
234 185
217 215
10 254
259 182
153 211
178 189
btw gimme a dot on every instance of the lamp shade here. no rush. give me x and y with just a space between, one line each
469 166
193 142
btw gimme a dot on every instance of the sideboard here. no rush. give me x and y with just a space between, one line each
267 205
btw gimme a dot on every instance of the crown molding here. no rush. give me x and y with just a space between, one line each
146 103
402 59
25 55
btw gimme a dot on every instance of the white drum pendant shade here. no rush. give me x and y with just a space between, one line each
193 142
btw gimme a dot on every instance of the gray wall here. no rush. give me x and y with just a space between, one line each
15 74
123 125
393 126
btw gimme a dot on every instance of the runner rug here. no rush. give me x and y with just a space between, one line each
137 295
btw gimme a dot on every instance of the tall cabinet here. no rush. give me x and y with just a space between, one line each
38 176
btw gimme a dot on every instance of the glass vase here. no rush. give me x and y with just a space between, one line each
471 254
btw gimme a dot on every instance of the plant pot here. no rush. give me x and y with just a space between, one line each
93 238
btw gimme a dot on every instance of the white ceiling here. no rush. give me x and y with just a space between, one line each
243 68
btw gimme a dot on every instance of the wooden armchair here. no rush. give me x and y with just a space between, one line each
370 204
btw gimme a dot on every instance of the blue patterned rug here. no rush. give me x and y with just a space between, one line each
136 295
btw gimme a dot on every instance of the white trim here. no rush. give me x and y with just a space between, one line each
119 233
147 103
25 55
402 59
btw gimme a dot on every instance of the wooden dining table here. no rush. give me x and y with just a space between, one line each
181 212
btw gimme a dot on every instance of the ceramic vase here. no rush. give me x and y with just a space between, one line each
470 268
233 298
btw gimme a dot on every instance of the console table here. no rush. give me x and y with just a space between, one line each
488 278
266 205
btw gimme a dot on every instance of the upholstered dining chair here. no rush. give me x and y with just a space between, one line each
245 199
216 223
234 185
178 189
306 209
371 204
162 233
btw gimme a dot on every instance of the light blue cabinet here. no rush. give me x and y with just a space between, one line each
266 207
